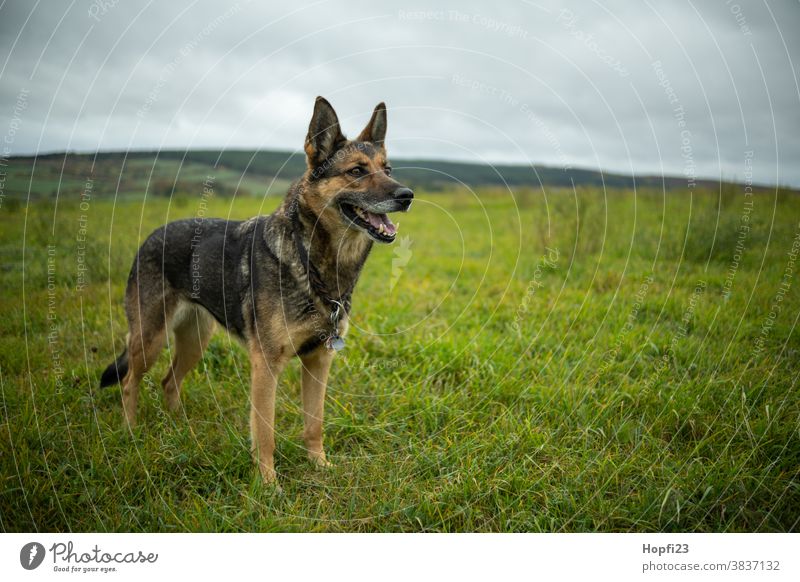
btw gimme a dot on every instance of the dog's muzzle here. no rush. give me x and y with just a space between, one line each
372 217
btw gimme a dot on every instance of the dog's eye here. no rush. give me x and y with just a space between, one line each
388 171
356 172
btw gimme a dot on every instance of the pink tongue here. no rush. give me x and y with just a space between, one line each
377 219
388 225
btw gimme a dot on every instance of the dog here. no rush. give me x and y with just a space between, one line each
281 284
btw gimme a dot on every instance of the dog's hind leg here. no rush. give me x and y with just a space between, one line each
193 327
316 366
147 323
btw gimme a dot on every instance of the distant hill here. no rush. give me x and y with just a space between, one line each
430 174
269 172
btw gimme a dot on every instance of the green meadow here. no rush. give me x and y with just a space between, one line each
538 360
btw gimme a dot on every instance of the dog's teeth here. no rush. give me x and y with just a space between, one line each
381 228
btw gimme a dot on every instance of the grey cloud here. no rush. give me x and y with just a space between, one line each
525 82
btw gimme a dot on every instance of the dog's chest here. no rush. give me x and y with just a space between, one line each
317 330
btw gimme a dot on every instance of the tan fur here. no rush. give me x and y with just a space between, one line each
266 366
315 380
193 327
146 338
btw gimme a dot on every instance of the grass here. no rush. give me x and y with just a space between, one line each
568 362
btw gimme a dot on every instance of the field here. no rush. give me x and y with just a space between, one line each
528 361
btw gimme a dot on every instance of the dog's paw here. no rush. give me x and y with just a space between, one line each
319 460
273 488
174 405
270 482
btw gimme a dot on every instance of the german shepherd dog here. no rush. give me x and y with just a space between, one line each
280 283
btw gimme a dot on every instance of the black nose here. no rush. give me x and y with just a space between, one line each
403 194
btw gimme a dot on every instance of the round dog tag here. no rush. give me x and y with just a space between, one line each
335 343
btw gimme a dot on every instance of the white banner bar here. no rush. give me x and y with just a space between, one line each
401 557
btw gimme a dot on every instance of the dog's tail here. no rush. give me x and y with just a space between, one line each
116 371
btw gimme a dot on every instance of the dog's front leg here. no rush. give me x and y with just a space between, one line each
266 367
316 366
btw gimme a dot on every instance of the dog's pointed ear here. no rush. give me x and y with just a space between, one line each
375 131
324 134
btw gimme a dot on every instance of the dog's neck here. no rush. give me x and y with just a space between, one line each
333 258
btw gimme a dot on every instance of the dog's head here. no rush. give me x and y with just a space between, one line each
349 183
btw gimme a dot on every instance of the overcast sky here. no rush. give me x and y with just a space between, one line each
645 87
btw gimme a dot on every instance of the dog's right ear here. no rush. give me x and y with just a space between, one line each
324 135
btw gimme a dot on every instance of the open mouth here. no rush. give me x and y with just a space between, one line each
378 226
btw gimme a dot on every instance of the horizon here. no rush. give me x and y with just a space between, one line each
699 178
704 92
